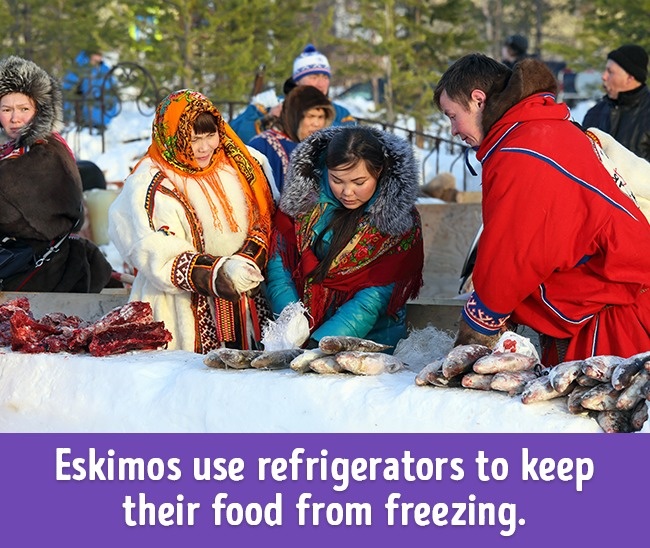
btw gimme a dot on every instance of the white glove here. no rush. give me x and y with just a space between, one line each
244 274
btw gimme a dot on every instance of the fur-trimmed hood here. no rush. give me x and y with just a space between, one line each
397 189
529 76
18 75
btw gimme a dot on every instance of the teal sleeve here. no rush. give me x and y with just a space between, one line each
280 289
358 316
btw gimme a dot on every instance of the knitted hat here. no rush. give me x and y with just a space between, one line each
518 43
310 61
633 60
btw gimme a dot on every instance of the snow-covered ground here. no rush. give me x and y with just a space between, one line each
165 391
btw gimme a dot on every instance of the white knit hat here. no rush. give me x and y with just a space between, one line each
310 61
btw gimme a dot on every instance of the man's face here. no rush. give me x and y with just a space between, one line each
616 80
320 81
95 59
465 121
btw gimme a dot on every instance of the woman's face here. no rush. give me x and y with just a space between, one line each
203 147
352 185
16 111
313 120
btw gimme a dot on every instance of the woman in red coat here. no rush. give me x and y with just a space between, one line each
564 250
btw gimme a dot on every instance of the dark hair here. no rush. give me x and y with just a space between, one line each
299 100
470 72
354 144
205 122
348 147
518 44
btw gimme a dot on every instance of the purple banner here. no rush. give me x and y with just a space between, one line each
323 490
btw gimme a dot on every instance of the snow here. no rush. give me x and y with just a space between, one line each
174 391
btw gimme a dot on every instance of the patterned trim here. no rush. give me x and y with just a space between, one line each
480 318
156 186
243 164
271 137
205 333
182 271
149 197
226 325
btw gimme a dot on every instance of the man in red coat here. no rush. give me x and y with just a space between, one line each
565 249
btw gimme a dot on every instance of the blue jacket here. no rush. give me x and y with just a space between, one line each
277 147
85 84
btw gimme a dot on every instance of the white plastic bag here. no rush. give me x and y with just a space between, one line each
289 330
515 343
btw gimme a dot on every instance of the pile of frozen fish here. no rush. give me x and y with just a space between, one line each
334 355
612 389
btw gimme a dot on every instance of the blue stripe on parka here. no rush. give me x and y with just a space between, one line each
542 291
569 175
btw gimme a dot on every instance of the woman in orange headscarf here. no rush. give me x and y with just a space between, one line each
194 220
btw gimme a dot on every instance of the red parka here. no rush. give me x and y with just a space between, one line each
563 250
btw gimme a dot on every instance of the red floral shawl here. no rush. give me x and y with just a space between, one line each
370 259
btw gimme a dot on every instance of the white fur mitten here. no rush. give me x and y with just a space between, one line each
243 273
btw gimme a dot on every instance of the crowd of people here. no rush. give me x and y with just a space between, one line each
226 224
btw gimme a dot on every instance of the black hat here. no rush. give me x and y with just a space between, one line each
633 60
518 43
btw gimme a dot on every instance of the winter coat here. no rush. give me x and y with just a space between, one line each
277 147
627 119
563 250
366 313
41 198
85 86
161 233
249 123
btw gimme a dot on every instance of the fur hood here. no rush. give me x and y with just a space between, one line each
529 76
396 194
18 75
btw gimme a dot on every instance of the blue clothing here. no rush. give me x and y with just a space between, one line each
86 84
249 123
277 147
364 315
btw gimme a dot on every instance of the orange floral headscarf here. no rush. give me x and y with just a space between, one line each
171 148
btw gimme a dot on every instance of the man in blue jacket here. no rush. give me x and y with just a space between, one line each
310 68
86 84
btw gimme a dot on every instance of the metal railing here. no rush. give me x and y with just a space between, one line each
434 144
132 83
124 82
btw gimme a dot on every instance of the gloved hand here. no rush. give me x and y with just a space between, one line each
243 274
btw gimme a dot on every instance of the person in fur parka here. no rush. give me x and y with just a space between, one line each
563 248
194 220
41 200
347 237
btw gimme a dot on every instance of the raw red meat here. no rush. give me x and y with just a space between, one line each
6 311
129 327
135 336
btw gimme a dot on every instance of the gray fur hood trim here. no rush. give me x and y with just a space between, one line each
18 75
397 190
